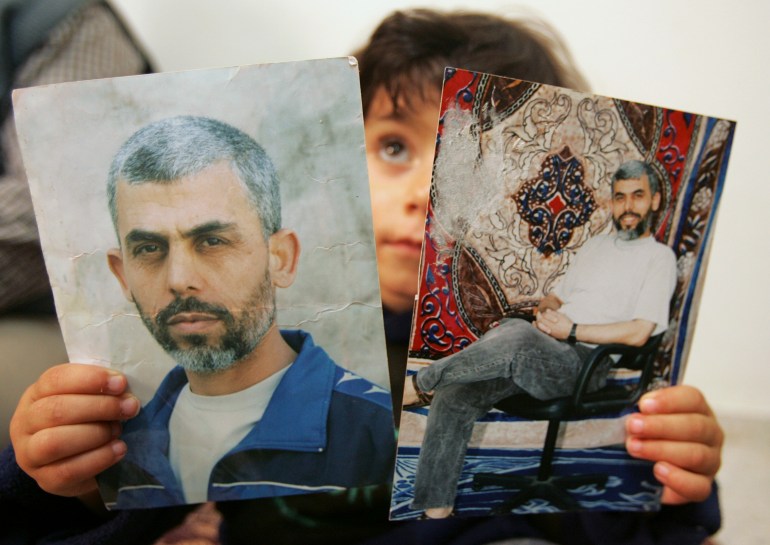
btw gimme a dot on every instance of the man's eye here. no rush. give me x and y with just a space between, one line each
212 241
147 249
394 150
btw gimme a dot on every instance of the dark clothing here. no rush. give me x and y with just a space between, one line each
29 515
397 328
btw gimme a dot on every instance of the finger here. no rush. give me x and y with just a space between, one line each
681 486
695 457
551 316
675 399
75 475
54 444
73 378
66 410
690 427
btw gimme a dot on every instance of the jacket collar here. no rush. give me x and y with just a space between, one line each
295 418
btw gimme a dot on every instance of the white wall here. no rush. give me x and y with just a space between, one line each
707 56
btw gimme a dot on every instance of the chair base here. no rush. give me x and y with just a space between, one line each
552 489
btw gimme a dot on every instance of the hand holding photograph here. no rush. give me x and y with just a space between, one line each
566 242
208 233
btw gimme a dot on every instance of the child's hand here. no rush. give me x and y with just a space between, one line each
678 431
66 426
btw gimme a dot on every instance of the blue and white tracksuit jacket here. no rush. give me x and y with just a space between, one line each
324 429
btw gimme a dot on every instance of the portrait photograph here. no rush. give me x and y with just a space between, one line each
208 233
565 249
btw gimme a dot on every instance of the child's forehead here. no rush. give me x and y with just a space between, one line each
409 103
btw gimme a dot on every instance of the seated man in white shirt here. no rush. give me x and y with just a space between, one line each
617 290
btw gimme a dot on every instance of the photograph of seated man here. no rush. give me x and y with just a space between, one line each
617 290
565 243
250 410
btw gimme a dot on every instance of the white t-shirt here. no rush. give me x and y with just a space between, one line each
613 280
204 428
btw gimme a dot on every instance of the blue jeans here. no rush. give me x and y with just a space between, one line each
513 358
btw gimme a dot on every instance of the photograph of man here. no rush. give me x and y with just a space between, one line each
617 290
250 410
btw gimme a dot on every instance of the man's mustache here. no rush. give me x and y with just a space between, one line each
630 214
190 304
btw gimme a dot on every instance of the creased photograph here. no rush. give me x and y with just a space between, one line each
208 234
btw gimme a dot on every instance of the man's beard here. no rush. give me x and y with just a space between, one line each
241 337
632 233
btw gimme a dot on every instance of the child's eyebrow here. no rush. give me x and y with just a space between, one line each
391 116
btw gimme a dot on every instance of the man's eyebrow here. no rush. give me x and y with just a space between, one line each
208 228
136 236
629 192
636 192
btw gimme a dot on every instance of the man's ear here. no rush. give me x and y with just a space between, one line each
655 201
283 248
115 262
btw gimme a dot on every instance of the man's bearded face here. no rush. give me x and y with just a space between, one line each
632 207
627 231
209 353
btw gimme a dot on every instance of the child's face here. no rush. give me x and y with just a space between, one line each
399 147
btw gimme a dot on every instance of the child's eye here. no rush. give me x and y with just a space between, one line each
394 150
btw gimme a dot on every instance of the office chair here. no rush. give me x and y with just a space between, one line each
611 398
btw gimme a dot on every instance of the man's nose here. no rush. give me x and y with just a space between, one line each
182 273
628 204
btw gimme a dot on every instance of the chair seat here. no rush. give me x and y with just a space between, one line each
611 397
535 409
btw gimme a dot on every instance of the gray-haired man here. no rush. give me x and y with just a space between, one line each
250 411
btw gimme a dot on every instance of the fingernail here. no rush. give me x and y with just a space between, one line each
119 449
649 405
661 471
634 445
129 406
635 424
115 384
